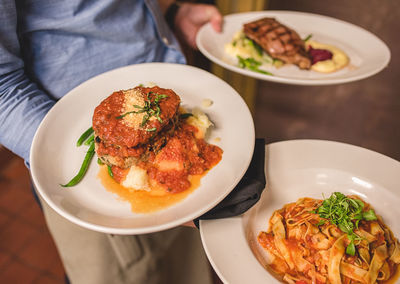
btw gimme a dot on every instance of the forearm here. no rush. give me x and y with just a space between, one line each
22 108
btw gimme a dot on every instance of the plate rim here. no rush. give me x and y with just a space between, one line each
236 222
140 230
295 81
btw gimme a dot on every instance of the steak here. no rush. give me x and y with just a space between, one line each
279 41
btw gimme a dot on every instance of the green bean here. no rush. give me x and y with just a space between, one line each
85 165
84 136
90 140
110 171
99 161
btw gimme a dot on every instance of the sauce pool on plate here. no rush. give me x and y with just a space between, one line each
146 201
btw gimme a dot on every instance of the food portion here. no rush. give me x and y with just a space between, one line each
128 123
149 142
326 58
278 41
336 240
267 42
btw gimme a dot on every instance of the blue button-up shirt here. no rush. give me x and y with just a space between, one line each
48 47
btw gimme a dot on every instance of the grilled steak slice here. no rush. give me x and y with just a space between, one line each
278 41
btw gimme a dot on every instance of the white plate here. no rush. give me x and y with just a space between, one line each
55 159
294 169
368 54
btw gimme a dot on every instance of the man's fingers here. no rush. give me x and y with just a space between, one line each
215 18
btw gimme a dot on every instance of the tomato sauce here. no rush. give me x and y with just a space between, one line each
111 129
173 172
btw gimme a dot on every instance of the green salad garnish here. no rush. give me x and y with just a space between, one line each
345 213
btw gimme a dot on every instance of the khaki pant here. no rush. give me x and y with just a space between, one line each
174 256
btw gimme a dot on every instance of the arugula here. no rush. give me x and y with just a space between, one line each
345 213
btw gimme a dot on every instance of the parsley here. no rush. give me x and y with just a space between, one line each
150 108
345 213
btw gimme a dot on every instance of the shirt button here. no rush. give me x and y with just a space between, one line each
165 40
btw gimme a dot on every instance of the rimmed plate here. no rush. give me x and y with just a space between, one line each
294 169
55 158
368 54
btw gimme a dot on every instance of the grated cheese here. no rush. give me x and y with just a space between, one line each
133 97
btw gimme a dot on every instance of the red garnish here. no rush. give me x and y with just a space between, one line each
319 54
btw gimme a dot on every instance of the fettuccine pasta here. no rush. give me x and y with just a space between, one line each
304 248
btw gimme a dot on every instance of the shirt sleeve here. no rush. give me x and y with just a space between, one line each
22 104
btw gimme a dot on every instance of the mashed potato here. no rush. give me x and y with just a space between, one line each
338 61
200 120
137 178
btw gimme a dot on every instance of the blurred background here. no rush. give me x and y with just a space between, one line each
364 113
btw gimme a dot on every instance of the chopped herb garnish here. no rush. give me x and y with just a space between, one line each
251 64
345 213
151 129
150 108
307 38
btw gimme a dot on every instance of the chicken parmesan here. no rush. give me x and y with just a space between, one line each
336 240
149 143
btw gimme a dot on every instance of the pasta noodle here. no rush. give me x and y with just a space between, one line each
303 247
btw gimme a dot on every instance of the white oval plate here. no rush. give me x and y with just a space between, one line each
294 169
55 159
368 54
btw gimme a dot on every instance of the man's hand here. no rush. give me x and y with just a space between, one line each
190 17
